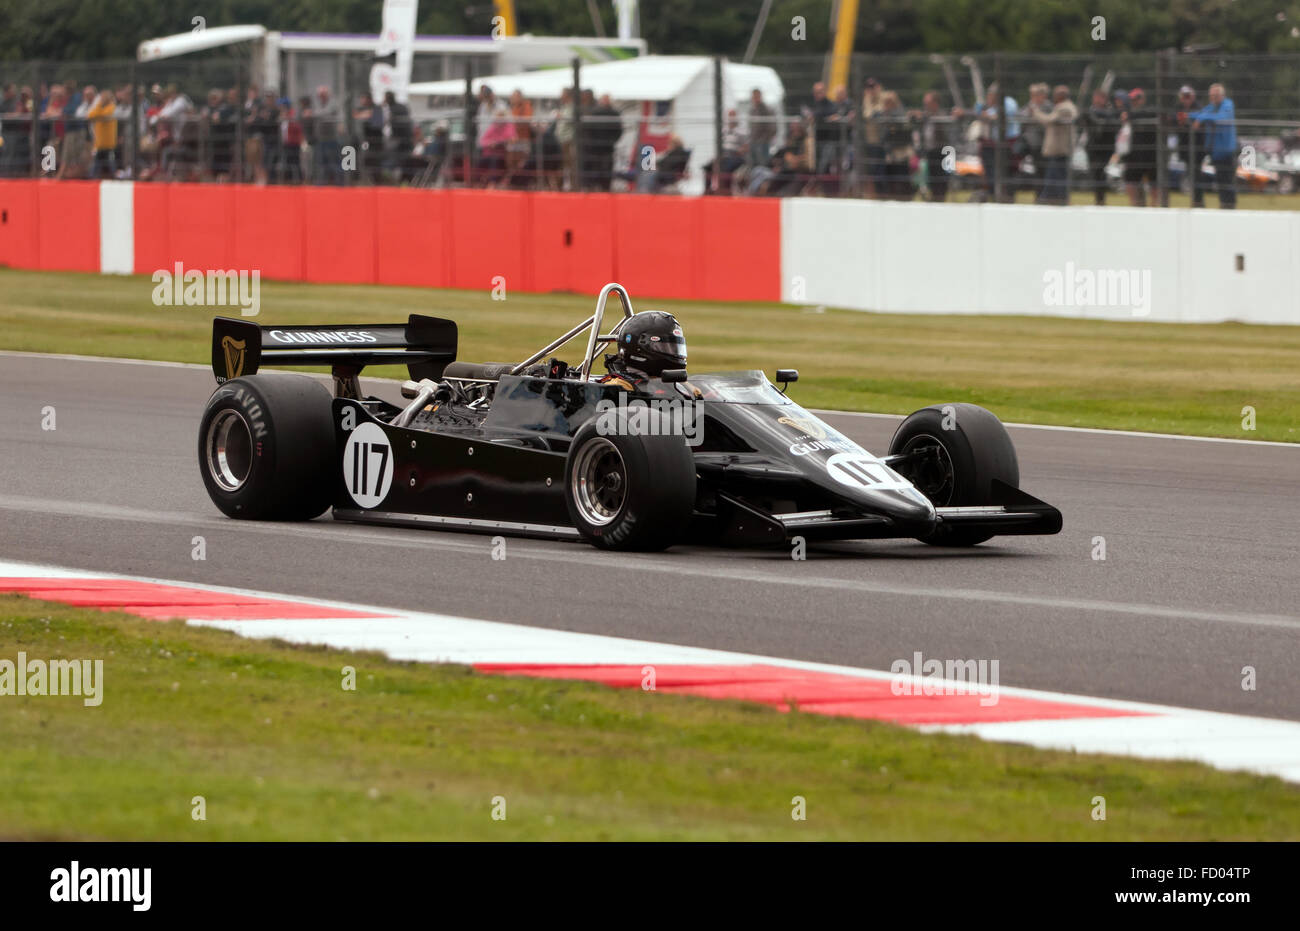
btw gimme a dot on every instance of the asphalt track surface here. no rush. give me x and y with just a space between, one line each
1201 576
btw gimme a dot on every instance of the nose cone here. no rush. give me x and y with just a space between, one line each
906 507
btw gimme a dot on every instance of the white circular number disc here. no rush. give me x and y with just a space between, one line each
368 465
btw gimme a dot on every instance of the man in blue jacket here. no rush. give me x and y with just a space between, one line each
1221 138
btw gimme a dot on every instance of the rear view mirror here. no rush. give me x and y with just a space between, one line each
786 376
673 376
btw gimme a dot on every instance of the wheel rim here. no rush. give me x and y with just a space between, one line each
229 447
599 481
932 475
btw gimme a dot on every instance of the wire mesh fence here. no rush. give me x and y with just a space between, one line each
1053 128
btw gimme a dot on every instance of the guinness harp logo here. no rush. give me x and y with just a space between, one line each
234 350
811 427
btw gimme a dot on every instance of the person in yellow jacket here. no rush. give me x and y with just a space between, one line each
103 126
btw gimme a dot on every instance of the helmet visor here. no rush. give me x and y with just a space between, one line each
670 347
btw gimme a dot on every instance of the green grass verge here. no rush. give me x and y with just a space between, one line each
267 735
1171 378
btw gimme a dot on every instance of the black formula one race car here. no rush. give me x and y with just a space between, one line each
543 448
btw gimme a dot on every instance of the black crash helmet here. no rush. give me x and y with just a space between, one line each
652 341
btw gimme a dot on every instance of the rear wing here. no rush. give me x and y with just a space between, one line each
425 345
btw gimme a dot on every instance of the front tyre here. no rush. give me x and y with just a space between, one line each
266 448
958 451
629 491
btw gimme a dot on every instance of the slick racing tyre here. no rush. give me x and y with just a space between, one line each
971 449
629 491
266 448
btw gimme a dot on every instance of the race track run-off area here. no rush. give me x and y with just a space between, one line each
1142 652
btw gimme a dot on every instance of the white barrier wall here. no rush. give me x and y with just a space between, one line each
1119 263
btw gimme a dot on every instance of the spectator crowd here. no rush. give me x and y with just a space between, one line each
1047 146
877 147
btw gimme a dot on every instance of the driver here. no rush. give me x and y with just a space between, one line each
648 343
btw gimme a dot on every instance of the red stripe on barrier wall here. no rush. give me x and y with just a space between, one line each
201 225
68 232
152 229
413 230
818 692
709 248
741 246
157 601
20 216
657 241
572 240
489 236
340 235
268 231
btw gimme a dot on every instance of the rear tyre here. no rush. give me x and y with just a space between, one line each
629 491
266 448
972 449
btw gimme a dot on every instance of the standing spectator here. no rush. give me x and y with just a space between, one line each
487 105
829 115
601 128
1140 164
53 126
1102 125
262 146
125 116
830 121
16 124
1219 116
1190 150
219 119
178 127
102 115
268 127
936 134
988 114
370 117
1058 145
564 135
89 96
823 135
1033 133
497 135
75 153
324 138
873 150
519 148
762 129
897 141
399 130
294 135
